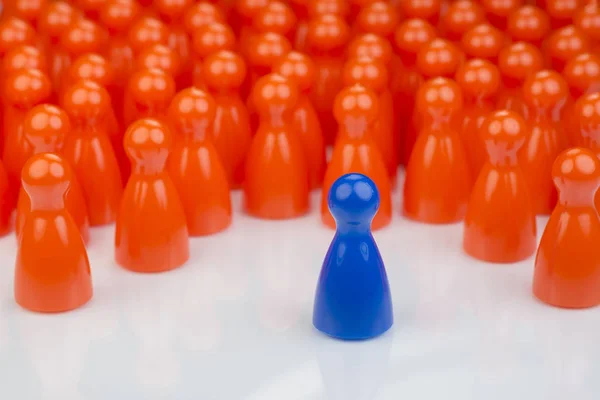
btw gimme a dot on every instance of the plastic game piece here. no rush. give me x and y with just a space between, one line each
409 37
88 150
438 58
276 184
52 271
300 9
151 233
483 41
427 11
373 75
587 19
528 24
586 122
246 11
45 128
373 46
28 10
23 57
356 110
276 17
145 32
353 299
230 134
545 94
159 56
500 223
438 179
378 17
91 8
561 12
498 11
300 69
200 14
207 40
565 44
194 164
461 16
339 8
567 266
23 89
149 93
479 81
516 62
6 208
326 40
14 32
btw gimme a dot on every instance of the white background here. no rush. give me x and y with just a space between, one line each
235 323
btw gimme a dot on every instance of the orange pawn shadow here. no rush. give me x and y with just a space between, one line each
52 272
194 164
356 110
151 233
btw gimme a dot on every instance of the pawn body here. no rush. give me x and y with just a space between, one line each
353 299
151 233
52 272
500 223
567 266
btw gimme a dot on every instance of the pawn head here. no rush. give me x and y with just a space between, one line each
86 101
483 41
201 14
587 113
528 23
519 60
56 17
147 140
422 9
545 89
366 72
172 9
266 49
118 15
274 91
27 87
159 56
211 38
46 172
276 17
588 20
224 70
323 7
23 57
504 133
582 73
461 16
576 165
191 111
379 17
327 32
82 36
562 9
152 87
439 98
501 8
371 45
297 67
356 102
45 127
13 32
565 44
413 34
146 32
353 200
478 78
249 8
29 10
438 58
94 67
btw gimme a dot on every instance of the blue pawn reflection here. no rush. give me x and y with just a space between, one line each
353 298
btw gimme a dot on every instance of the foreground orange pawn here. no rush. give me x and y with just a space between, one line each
45 128
151 233
438 178
356 110
479 80
545 94
276 184
500 223
194 164
207 40
149 93
300 69
567 266
52 271
565 44
89 151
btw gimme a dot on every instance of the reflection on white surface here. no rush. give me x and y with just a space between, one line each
235 324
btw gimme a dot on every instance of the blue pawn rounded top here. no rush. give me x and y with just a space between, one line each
353 199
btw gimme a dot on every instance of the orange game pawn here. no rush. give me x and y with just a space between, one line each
461 16
150 92
356 110
52 272
479 80
207 40
588 21
586 121
528 24
498 11
151 233
23 57
276 17
565 44
200 14
244 15
427 11
300 8
276 185
317 8
88 150
146 32
567 266
194 164
45 128
14 32
500 223
29 10
545 94
561 12
159 56
300 69
438 178
483 41
378 17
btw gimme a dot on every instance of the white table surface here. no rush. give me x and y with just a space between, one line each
235 323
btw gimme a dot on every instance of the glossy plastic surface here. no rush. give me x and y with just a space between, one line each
353 299
561 12
194 164
276 183
498 11
52 271
23 57
276 17
565 44
146 32
483 41
587 19
438 57
461 16
378 17
529 24
567 266
13 32
149 93
356 111
500 223
200 14
29 10
586 121
427 10
208 40
151 233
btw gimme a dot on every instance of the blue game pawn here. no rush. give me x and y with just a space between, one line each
353 298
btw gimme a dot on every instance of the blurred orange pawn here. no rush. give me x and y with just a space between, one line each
587 20
356 110
500 223
159 56
207 40
201 14
438 178
151 233
427 11
483 41
299 68
567 266
565 44
561 12
52 271
244 15
586 125
461 16
498 11
528 24
276 17
45 128
150 92
14 32
194 164
276 184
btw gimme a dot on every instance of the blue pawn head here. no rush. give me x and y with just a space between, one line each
353 199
